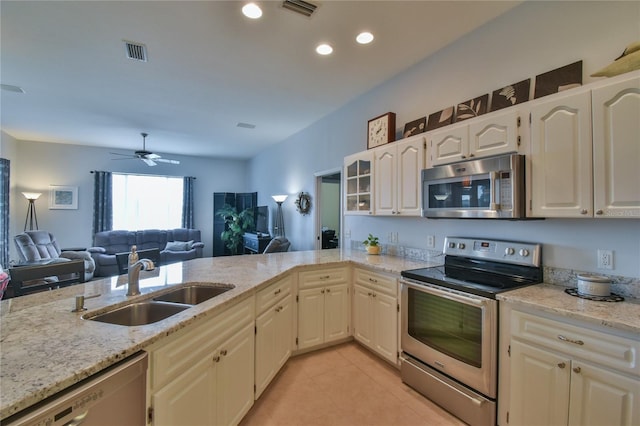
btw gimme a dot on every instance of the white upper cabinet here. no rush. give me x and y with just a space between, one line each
616 149
585 151
560 159
397 177
497 133
358 172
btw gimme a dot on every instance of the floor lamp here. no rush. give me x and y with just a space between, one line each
31 211
278 226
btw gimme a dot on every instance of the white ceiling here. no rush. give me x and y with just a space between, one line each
209 68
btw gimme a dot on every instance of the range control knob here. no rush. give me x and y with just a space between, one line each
509 251
524 252
452 245
461 246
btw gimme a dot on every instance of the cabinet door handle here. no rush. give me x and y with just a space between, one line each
373 280
328 290
577 369
369 294
223 352
216 358
325 277
584 211
374 295
566 339
599 212
277 291
322 291
471 155
562 364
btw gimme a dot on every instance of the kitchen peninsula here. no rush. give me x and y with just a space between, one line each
46 348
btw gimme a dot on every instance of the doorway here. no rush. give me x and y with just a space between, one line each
328 209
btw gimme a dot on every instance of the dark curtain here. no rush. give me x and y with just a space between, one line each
102 202
4 212
187 202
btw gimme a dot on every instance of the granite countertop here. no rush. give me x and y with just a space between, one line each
45 348
623 316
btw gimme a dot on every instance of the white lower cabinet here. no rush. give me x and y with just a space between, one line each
323 306
563 374
274 331
205 374
375 313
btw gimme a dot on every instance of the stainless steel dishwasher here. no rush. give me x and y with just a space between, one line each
115 396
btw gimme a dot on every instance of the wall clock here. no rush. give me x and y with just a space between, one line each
381 130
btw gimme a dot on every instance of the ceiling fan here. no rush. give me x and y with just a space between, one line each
147 156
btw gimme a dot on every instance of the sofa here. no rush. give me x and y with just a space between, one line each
175 245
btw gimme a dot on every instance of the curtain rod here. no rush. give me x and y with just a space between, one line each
143 174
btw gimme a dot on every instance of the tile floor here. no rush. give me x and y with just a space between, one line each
345 385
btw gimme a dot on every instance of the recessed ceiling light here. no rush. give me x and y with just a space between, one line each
364 37
252 10
324 49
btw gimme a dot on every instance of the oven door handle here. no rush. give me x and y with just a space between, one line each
446 293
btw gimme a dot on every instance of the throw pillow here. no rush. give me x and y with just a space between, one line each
176 246
190 245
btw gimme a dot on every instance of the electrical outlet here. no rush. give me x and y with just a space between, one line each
605 259
431 241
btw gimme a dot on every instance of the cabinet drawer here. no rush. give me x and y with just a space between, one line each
616 352
193 343
376 281
323 277
267 297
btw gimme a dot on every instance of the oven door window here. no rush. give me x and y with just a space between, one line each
451 327
471 192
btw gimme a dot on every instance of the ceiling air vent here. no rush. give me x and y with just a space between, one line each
300 6
136 51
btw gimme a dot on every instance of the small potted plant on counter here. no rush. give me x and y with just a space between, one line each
372 245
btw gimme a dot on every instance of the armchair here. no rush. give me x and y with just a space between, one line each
41 247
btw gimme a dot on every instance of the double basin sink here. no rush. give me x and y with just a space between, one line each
160 307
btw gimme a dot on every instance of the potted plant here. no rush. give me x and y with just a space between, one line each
372 244
236 225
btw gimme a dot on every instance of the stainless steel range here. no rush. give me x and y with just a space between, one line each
450 322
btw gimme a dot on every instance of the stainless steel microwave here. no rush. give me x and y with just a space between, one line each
488 188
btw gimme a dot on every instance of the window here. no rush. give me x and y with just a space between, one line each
146 202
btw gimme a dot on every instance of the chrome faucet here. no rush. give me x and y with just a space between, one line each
133 286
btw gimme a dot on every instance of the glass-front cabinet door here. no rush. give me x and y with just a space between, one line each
359 183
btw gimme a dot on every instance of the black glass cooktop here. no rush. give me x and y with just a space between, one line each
476 277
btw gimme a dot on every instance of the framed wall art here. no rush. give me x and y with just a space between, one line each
472 108
440 118
510 95
63 197
415 127
557 80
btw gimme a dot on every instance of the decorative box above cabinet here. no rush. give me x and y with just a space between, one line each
358 187
397 183
492 134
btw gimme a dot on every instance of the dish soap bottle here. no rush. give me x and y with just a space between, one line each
133 255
